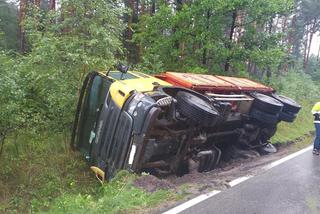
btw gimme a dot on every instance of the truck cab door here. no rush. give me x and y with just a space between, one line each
93 93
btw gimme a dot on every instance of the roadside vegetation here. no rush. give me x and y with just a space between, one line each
302 88
41 73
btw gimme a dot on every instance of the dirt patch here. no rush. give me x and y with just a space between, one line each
151 183
246 165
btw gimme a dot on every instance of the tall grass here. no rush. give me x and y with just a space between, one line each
302 125
36 168
39 173
118 196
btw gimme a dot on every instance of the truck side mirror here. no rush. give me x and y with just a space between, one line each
123 68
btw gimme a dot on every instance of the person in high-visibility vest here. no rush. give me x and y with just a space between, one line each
316 113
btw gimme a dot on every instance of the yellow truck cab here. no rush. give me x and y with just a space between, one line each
108 102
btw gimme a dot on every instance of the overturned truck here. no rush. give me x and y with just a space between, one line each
161 124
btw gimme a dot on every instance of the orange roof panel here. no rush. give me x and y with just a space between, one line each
246 84
205 82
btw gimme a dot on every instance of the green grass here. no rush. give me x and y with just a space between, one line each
36 168
118 196
302 143
40 174
301 126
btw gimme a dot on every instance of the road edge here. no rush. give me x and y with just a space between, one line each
203 197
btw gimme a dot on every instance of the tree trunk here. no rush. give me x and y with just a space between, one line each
138 45
312 32
204 54
153 7
143 7
239 29
129 33
305 43
284 28
234 17
178 44
269 29
37 3
318 53
291 33
52 5
179 4
22 13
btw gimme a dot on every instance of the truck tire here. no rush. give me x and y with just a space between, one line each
287 116
197 108
289 105
266 103
263 116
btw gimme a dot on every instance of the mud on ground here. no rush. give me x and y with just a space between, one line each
195 183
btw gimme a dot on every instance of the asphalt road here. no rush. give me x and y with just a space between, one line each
291 187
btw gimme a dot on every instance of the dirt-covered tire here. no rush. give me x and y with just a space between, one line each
289 105
264 117
287 117
197 108
266 103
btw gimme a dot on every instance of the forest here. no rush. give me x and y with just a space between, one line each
48 46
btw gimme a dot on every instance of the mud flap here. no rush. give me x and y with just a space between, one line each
100 174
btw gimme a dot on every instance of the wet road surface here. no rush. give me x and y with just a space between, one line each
289 188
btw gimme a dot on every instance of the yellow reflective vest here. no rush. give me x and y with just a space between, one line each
316 108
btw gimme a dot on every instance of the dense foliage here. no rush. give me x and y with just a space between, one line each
11 98
218 36
60 54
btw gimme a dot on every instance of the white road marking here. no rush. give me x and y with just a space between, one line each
289 157
232 183
239 180
191 202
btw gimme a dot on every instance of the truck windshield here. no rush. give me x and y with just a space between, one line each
122 76
94 97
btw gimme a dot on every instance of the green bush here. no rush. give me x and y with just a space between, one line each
297 85
61 53
12 115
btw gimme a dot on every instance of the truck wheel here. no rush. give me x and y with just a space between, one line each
287 116
266 103
264 116
289 105
197 108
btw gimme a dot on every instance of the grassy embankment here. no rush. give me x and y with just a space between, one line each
302 126
301 88
40 174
